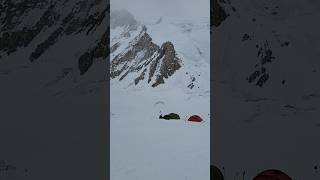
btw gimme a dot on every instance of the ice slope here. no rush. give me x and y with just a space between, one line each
276 126
144 147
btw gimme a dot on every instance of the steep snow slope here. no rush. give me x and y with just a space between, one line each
189 35
36 35
266 64
143 146
190 39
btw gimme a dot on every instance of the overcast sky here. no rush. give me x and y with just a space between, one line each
150 10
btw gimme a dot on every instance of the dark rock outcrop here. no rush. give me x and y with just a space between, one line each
169 63
85 17
101 50
265 56
158 63
142 44
218 12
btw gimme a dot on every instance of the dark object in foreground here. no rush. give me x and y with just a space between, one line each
215 173
219 14
272 174
195 118
170 116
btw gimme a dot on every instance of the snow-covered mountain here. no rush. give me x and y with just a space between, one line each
266 107
147 59
161 53
35 35
53 58
157 68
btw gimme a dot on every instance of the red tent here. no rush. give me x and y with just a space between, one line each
195 118
272 174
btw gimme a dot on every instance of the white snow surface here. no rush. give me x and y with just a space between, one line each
145 147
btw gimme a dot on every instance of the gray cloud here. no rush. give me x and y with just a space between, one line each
150 10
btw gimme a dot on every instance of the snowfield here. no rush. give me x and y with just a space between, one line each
191 37
144 147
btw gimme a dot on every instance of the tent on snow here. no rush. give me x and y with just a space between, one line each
169 116
272 174
195 118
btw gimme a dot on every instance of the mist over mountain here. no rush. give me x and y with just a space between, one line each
121 17
151 10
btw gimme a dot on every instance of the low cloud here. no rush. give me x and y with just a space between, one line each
151 10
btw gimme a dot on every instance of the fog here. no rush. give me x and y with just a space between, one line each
151 10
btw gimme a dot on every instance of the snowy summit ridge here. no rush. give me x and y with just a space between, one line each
154 54
140 55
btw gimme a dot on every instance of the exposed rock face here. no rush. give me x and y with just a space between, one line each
218 12
101 50
128 61
114 47
142 56
167 61
11 36
21 22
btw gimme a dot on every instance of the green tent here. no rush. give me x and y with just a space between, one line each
170 116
